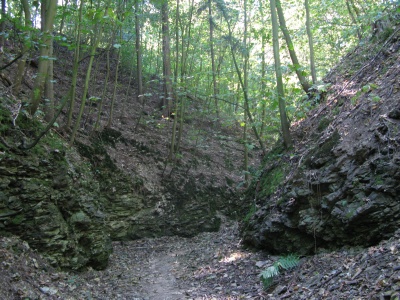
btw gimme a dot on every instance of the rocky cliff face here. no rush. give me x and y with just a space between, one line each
71 203
138 207
341 184
54 205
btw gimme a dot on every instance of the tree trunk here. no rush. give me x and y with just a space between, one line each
303 81
21 64
185 51
241 83
110 117
65 7
177 16
310 43
138 53
166 102
263 86
245 87
353 18
287 139
2 23
246 153
50 12
49 90
75 67
214 80
96 39
104 92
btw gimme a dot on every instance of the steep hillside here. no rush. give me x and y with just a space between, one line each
341 184
115 183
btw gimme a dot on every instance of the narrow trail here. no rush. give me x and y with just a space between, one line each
161 283
208 266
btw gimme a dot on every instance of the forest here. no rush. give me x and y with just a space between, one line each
199 149
257 63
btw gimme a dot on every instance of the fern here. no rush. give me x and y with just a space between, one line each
267 276
286 263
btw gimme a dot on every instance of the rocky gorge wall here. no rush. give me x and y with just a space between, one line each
71 203
55 206
136 209
341 184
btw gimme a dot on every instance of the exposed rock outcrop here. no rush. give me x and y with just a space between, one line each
70 203
137 207
341 185
55 206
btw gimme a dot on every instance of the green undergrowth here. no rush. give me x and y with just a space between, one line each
266 179
274 168
25 130
283 263
250 213
4 120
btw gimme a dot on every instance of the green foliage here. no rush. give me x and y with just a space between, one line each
323 124
283 263
368 88
18 219
271 181
250 213
5 119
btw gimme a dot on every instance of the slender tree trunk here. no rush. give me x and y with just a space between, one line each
75 66
245 87
65 7
175 115
96 39
214 80
110 117
173 135
281 95
246 153
353 18
49 86
303 81
104 93
166 102
138 52
310 43
2 23
263 85
246 103
44 54
185 51
84 95
241 83
141 99
49 90
180 130
21 64
177 16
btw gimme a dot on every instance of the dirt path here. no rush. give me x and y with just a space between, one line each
215 266
159 282
208 266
